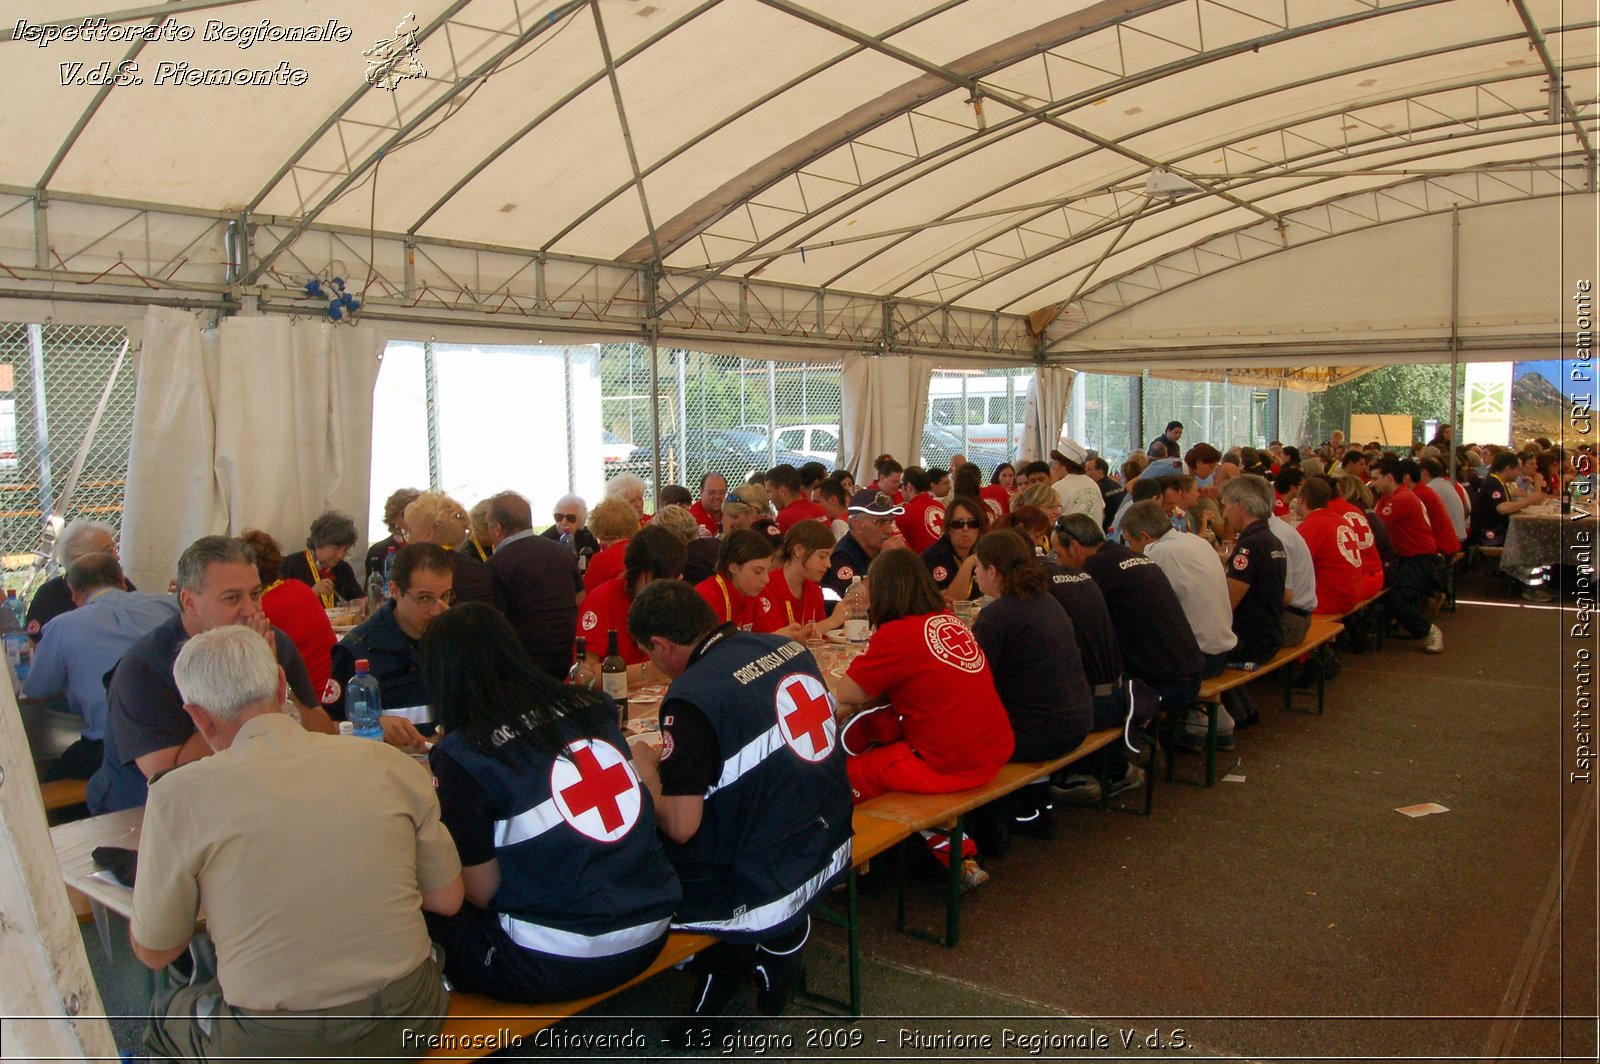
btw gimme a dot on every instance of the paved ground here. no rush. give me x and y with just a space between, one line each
1290 913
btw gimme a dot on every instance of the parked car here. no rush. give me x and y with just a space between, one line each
940 445
614 450
819 443
735 453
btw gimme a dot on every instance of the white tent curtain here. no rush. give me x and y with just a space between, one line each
883 404
259 423
1049 394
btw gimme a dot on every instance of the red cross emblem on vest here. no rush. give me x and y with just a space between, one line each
595 790
805 716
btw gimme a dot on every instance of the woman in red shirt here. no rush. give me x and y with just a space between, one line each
949 730
653 554
792 603
293 607
742 568
613 523
996 495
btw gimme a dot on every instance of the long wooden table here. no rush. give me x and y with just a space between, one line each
75 843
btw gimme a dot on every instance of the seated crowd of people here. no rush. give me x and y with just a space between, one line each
550 856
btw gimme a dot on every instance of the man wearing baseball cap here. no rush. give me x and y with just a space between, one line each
872 530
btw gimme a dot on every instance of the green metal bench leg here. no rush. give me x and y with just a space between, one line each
952 911
851 922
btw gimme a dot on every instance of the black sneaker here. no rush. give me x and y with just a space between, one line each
712 992
779 971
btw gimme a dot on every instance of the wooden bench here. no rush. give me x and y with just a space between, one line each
477 1025
1323 631
63 794
922 812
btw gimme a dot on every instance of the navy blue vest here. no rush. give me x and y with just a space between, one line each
775 830
582 874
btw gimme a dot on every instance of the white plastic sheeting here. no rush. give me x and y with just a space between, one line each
259 423
883 405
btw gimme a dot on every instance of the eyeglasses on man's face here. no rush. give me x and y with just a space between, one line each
428 600
562 518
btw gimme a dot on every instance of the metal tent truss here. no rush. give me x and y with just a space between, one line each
838 177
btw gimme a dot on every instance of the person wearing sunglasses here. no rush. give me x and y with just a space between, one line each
421 587
951 561
569 523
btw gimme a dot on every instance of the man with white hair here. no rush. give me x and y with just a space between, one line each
1258 584
316 909
82 645
79 539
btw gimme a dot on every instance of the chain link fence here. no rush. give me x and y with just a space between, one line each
717 413
66 419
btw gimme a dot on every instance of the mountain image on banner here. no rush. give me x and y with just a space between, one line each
1537 408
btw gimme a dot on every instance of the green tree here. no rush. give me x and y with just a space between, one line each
1422 391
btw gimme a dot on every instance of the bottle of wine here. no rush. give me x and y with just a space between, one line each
614 671
582 673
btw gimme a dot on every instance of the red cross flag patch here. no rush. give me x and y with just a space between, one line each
331 691
591 620
805 717
952 643
845 572
1241 560
933 521
941 573
595 790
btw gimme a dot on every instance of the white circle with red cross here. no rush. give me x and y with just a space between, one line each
933 521
952 643
805 716
1348 540
1364 532
595 790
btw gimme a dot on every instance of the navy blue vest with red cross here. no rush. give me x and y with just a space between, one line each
582 873
775 830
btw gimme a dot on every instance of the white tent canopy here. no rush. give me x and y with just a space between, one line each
1334 179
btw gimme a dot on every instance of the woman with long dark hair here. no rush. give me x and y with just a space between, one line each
568 891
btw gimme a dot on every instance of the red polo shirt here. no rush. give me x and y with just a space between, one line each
604 609
923 522
932 671
1407 523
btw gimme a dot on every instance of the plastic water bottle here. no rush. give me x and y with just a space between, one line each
388 570
855 606
362 703
14 627
376 590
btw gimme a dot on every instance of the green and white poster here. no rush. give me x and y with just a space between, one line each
1487 415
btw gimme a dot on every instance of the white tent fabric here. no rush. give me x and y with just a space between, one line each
935 160
172 496
1049 394
259 423
883 406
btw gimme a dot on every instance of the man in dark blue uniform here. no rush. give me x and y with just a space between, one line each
420 588
750 788
872 529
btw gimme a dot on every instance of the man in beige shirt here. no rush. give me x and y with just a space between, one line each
313 856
